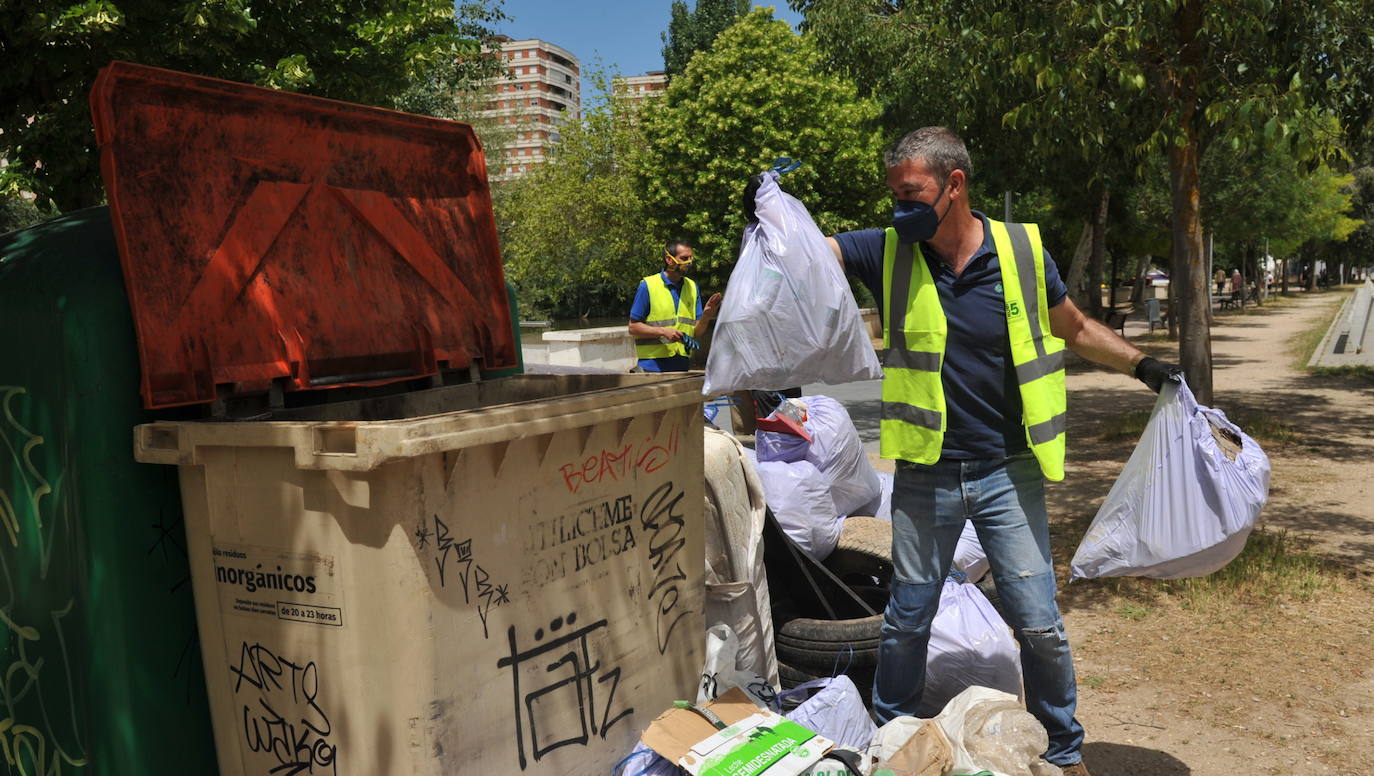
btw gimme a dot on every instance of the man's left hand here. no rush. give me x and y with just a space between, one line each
1154 372
712 304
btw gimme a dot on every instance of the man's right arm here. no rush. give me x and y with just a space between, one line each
835 249
642 330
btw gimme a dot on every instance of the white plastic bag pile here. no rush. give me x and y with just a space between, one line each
970 645
991 730
1186 500
980 730
811 486
788 317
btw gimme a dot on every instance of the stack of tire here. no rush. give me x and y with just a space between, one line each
809 645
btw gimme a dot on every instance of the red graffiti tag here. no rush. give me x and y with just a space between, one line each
647 457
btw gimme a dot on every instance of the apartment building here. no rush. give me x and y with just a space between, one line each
641 87
541 90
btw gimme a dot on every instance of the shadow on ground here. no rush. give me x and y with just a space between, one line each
1105 759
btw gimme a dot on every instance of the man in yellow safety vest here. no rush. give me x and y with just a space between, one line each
667 316
975 321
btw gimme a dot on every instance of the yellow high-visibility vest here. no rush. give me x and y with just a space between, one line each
683 317
914 330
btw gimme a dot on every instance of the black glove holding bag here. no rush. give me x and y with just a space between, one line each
1154 372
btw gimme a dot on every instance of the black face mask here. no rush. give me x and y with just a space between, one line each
916 221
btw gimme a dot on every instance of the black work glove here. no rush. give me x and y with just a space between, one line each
746 202
1154 372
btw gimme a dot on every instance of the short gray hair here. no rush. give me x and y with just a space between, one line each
939 148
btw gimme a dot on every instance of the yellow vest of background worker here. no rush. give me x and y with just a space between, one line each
914 330
683 317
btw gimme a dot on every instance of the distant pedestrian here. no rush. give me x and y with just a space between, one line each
1220 277
1237 283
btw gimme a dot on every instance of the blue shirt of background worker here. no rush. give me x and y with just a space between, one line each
982 398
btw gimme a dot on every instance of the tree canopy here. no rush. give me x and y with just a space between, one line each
368 52
1100 91
693 30
575 232
760 93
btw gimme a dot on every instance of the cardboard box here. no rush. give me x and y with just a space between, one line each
756 742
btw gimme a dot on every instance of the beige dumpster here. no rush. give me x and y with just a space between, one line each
502 577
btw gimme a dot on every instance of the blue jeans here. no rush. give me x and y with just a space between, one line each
1005 499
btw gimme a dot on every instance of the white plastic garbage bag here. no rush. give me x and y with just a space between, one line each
970 645
836 712
788 317
839 455
779 446
1186 500
800 499
723 672
990 730
969 556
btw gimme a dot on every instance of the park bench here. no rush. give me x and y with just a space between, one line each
1116 319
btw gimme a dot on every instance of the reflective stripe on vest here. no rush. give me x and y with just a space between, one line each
914 332
663 314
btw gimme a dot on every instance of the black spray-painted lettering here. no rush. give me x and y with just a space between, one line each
282 716
663 522
561 673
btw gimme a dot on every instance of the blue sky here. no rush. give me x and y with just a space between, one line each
624 34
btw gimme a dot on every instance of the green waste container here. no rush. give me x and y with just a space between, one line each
98 645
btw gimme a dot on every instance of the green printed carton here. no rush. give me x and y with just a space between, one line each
755 741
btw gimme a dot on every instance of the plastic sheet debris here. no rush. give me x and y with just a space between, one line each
990 730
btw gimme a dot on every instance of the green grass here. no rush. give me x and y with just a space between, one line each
1271 568
1092 682
1132 610
1365 373
1304 343
1264 428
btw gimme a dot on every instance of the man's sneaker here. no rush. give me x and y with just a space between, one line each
1077 769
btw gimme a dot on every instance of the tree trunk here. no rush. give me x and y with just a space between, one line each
1284 265
1244 266
1078 269
1099 251
1195 340
1138 292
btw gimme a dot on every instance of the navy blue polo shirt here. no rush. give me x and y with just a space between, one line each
639 311
982 399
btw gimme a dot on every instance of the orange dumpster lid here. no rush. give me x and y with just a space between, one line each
273 238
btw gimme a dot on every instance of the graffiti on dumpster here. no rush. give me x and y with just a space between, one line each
663 523
577 540
646 456
38 678
563 696
282 716
478 587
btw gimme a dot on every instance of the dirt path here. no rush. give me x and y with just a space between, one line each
1171 686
